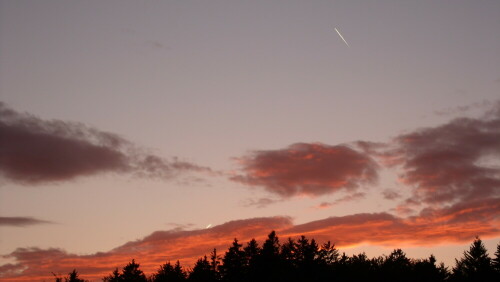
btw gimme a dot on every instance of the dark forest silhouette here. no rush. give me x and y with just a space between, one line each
305 260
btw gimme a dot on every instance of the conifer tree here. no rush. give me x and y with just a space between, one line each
475 264
132 273
233 266
170 273
202 271
495 262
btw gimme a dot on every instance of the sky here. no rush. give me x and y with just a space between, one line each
158 130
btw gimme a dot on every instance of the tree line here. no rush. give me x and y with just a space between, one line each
305 260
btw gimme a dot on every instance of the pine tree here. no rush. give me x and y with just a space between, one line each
396 267
73 277
233 267
268 262
215 264
328 254
252 251
170 273
495 263
202 271
132 273
113 277
475 265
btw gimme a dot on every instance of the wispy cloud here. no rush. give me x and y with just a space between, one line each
260 203
347 198
36 151
21 221
451 163
308 169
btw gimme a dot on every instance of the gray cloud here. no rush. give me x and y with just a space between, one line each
449 163
34 151
21 221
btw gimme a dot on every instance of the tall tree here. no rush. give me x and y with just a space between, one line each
475 264
233 267
252 251
268 262
307 259
215 261
495 262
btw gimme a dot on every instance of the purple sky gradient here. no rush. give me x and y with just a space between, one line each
207 84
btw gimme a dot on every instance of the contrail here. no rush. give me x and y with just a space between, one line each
342 37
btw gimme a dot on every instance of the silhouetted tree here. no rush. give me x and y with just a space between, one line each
215 263
130 273
113 277
57 278
202 271
288 258
233 267
328 254
427 270
252 250
308 259
303 260
475 265
169 273
495 262
268 262
396 267
360 268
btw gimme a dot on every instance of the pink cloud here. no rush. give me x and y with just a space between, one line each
308 169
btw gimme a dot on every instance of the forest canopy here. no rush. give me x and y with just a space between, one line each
302 259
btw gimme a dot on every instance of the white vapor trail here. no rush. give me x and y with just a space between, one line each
342 37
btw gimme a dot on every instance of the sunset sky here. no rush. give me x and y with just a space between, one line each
128 127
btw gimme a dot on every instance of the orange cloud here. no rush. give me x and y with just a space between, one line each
457 223
308 169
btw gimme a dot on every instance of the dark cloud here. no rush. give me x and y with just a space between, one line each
21 221
458 223
35 151
308 169
390 194
454 162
